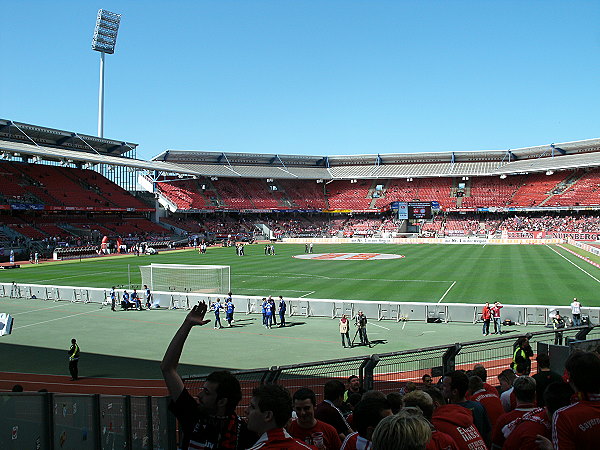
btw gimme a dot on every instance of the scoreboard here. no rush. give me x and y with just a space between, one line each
414 210
419 210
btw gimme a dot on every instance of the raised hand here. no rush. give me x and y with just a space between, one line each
196 315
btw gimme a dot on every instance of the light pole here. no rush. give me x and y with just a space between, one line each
104 41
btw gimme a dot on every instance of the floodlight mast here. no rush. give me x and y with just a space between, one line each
104 41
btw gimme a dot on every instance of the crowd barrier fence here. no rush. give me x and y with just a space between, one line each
47 421
389 372
303 307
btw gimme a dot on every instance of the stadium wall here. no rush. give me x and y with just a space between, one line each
448 240
303 307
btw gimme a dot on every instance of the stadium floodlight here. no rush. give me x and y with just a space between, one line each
104 41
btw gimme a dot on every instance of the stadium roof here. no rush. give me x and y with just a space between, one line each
564 156
33 143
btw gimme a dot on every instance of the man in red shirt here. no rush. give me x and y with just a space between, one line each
577 426
455 421
526 432
486 316
269 410
308 429
524 390
480 371
424 401
491 402
496 316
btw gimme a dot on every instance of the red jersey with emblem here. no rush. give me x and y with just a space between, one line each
457 421
577 426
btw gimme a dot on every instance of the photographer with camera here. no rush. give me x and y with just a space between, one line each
361 324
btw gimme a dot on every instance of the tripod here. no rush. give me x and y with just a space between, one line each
354 338
358 328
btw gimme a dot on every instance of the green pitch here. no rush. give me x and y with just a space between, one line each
513 274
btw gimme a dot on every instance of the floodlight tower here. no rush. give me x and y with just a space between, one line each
104 41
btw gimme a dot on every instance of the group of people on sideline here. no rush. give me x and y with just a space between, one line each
131 301
491 313
360 321
269 312
461 411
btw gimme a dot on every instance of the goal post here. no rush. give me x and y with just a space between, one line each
205 279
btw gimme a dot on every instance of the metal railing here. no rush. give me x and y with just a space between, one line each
389 372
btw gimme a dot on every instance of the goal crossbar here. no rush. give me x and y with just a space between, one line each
186 278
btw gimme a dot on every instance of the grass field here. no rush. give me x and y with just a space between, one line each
513 274
131 343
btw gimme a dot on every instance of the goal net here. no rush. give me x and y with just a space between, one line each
186 278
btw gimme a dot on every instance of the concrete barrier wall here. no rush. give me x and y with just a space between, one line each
303 307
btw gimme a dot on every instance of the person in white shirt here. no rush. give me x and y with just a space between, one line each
576 312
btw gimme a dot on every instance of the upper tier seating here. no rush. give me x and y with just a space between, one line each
584 192
537 187
343 194
62 187
420 189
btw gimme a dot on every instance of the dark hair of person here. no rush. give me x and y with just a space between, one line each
228 387
475 383
479 371
351 377
368 414
395 401
274 398
507 375
583 368
354 398
557 395
525 389
460 382
305 393
435 394
543 360
333 389
17 388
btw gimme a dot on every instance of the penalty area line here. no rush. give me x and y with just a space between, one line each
447 290
311 292
380 326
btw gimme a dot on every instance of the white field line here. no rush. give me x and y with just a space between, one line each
571 262
447 290
380 326
311 292
53 320
39 309
280 290
303 276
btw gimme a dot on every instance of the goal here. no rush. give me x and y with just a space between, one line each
186 278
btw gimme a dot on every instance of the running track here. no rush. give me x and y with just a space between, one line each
62 384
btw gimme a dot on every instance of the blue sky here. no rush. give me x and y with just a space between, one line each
315 77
